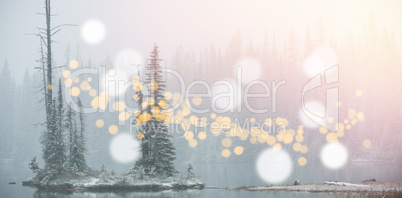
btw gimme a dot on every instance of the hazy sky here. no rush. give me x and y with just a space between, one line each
138 24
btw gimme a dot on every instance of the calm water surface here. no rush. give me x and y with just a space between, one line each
217 175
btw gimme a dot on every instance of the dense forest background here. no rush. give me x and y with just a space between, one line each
370 61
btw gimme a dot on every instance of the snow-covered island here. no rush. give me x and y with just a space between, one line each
102 181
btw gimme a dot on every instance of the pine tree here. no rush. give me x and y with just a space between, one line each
139 98
103 168
78 162
158 151
69 125
33 165
7 106
60 108
190 172
54 150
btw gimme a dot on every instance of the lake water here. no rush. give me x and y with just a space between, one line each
218 175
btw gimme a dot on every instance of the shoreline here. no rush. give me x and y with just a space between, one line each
117 184
331 187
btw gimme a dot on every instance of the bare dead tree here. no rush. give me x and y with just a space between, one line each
45 35
52 145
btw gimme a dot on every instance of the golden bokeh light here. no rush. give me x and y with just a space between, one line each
339 127
145 117
113 129
68 82
140 135
271 140
268 122
283 122
176 99
299 138
304 149
49 86
155 110
193 143
297 146
238 150
196 100
92 92
226 142
144 104
66 73
189 135
360 116
332 137
168 95
137 86
202 135
85 86
253 140
124 116
302 161
367 143
287 138
277 146
100 101
323 130
279 137
213 115
73 64
163 104
151 101
136 97
75 91
76 80
153 85
99 123
119 106
225 153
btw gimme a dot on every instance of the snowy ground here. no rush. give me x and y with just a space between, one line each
334 187
108 182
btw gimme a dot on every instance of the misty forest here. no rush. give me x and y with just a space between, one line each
201 99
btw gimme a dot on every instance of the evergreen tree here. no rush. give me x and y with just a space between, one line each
54 150
103 168
60 108
7 111
158 151
78 162
33 165
190 172
69 125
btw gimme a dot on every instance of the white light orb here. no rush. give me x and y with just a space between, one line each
93 31
116 81
250 70
124 148
224 95
320 60
313 115
334 155
274 166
